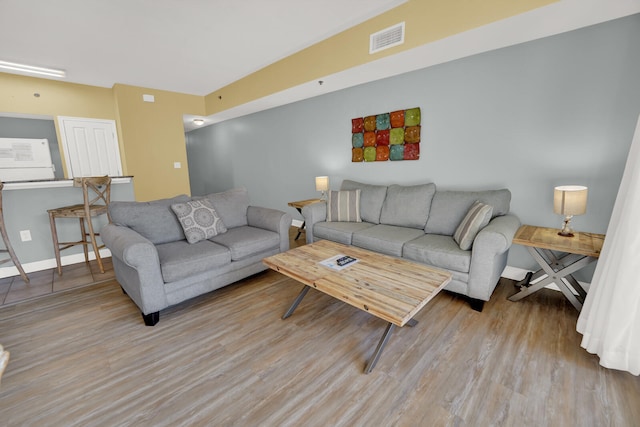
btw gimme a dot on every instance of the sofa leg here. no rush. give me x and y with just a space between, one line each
151 319
123 291
476 304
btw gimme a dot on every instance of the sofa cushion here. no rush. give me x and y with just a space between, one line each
341 232
448 208
344 206
198 219
181 259
407 205
246 241
475 220
232 206
386 239
153 220
438 251
371 199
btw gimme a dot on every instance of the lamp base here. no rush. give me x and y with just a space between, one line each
566 229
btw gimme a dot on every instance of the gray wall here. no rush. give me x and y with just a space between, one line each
559 110
27 210
34 128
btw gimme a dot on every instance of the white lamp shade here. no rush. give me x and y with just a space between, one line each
570 200
322 183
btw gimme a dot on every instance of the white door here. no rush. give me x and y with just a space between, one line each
90 147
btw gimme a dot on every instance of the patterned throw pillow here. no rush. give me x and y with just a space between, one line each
344 206
476 219
199 220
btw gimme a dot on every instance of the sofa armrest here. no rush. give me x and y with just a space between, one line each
313 213
489 255
128 245
137 266
272 220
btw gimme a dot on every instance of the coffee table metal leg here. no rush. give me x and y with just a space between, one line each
296 302
379 348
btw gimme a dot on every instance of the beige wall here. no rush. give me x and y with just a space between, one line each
151 135
426 21
56 98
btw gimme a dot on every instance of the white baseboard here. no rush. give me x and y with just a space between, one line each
513 273
47 264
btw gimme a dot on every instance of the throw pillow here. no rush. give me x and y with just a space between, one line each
344 206
475 220
199 220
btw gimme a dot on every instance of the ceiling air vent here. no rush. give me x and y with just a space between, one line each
384 39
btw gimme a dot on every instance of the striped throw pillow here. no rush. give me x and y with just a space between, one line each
476 219
344 206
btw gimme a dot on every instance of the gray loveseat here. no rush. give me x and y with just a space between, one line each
418 223
156 265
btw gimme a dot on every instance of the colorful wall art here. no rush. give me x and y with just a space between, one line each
387 136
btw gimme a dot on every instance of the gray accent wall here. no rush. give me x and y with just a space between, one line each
559 110
27 210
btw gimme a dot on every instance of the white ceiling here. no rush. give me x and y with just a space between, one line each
187 46
199 46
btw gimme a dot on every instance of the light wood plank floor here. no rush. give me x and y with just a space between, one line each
83 357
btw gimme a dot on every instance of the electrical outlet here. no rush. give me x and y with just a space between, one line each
25 235
177 165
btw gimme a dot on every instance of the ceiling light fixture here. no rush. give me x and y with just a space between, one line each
51 72
198 122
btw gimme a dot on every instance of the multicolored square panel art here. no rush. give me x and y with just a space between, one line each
387 136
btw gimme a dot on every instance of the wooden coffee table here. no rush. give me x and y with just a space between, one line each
390 288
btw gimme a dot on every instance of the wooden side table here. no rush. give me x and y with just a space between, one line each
574 253
298 206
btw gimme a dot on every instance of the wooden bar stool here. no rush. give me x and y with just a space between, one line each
96 192
7 243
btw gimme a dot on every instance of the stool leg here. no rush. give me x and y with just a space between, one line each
12 254
96 250
56 246
85 242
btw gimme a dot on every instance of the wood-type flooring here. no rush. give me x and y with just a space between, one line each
83 357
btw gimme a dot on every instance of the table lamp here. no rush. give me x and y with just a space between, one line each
322 184
569 200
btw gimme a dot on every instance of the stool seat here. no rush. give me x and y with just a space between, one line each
7 243
96 195
77 211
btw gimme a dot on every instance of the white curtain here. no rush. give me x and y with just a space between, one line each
610 318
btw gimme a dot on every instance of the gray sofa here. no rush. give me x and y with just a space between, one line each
156 265
418 223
